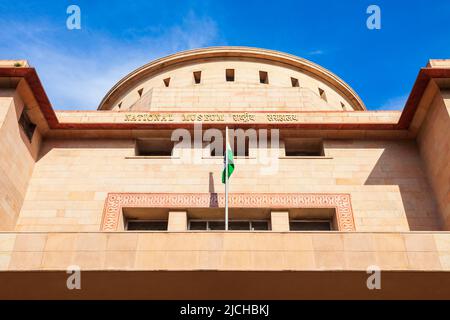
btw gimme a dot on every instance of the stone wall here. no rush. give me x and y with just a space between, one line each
17 158
386 181
434 142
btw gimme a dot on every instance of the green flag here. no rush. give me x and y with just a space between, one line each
229 154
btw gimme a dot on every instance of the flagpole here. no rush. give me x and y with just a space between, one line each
226 178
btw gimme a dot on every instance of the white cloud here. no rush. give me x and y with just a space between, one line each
396 103
316 52
77 76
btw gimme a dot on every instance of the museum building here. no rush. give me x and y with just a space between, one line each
142 214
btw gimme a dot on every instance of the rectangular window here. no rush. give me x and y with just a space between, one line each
310 225
26 124
263 77
303 147
232 225
154 147
154 225
322 94
294 82
229 75
197 77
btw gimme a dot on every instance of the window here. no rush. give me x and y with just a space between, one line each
140 91
294 82
322 94
239 145
26 124
310 225
263 77
232 225
229 75
155 225
197 77
342 106
119 105
166 82
303 147
154 147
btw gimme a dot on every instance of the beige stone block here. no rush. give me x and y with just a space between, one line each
424 261
445 261
359 260
419 242
148 241
90 260
177 221
389 242
151 260
237 260
120 260
329 260
279 221
387 260
328 242
297 242
266 241
442 242
122 241
5 258
91 242
56 260
267 260
30 242
358 242
25 261
299 260
60 242
182 260
7 241
209 260
238 241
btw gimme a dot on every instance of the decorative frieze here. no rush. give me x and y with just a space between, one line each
116 201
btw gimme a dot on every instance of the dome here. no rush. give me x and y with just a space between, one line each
231 79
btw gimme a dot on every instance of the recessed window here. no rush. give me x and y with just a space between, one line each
263 77
197 77
310 225
154 225
303 147
294 82
26 124
322 94
154 147
140 91
342 106
232 225
166 82
119 105
241 146
229 75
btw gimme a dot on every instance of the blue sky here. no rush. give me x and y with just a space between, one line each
77 67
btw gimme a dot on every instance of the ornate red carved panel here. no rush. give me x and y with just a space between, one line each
116 201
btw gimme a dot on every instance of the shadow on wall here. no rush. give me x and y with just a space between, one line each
64 146
400 164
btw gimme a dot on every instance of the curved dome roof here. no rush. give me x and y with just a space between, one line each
291 83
